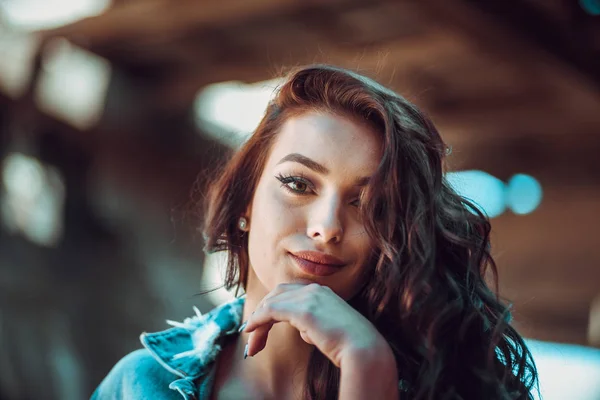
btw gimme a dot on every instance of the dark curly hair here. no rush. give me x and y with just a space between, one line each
427 293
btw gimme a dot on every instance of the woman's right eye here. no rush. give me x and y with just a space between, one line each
295 184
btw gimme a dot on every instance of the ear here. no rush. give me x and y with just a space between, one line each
247 212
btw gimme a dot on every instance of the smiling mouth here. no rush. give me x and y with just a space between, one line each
315 268
318 257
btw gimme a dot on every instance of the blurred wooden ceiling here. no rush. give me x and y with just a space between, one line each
471 69
514 87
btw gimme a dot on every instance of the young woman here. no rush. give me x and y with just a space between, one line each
363 272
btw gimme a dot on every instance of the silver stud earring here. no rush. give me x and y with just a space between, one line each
242 223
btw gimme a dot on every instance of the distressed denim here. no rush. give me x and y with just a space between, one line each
175 363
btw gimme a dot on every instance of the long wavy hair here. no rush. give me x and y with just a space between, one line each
428 293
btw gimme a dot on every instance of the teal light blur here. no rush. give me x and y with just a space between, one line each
483 189
566 371
523 194
592 7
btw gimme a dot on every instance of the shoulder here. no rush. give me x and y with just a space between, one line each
138 375
173 360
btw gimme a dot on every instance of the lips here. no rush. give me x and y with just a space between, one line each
316 263
323 264
320 258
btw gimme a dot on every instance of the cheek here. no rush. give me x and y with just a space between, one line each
366 255
272 221
272 214
360 240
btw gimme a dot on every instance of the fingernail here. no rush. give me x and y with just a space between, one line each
243 326
246 351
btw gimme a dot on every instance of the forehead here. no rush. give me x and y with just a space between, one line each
337 142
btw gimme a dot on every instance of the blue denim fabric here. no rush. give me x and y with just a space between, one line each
175 363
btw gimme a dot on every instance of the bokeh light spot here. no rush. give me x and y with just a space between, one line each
483 189
524 194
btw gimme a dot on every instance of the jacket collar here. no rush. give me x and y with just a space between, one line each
189 348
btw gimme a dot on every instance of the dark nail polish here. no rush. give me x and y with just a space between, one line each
246 351
243 326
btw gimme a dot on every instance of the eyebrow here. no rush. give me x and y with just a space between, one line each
315 166
307 162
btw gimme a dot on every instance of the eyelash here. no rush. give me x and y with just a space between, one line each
285 179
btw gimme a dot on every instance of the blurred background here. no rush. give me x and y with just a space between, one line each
113 112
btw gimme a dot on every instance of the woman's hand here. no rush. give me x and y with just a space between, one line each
323 319
342 334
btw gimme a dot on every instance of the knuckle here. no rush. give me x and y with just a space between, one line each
311 307
280 288
309 311
314 287
268 305
307 315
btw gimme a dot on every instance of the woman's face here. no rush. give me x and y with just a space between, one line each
307 201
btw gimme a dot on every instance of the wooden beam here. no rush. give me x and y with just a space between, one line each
391 62
571 41
159 20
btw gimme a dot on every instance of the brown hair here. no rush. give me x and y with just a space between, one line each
427 296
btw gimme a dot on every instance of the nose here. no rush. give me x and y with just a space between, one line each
325 221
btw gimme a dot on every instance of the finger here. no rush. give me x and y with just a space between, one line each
277 292
258 339
286 307
282 305
280 289
259 332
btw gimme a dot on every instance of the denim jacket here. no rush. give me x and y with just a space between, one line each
175 363
178 362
